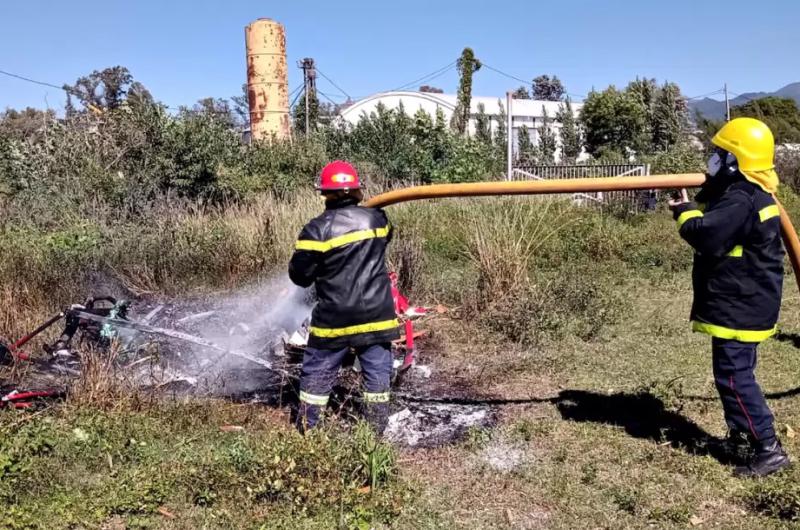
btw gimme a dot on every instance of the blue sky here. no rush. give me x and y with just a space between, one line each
185 50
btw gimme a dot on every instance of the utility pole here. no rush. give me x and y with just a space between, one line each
727 104
309 86
509 135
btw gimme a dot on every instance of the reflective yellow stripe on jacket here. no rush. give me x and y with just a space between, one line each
769 212
688 214
736 252
340 241
331 333
764 214
742 335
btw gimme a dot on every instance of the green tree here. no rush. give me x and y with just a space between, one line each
467 64
241 107
547 140
670 119
483 126
217 109
27 124
666 114
384 138
469 161
522 93
432 147
780 114
646 90
546 88
571 141
616 121
526 151
299 113
197 145
501 133
431 89
706 128
679 158
105 89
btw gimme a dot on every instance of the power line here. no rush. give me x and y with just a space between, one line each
718 91
527 82
440 74
333 95
505 74
299 93
432 75
326 97
29 80
337 87
42 83
293 92
73 92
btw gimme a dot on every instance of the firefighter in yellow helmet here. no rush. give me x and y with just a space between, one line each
734 228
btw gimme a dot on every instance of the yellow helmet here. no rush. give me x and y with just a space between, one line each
753 145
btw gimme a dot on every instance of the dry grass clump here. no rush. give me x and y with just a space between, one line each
103 383
172 249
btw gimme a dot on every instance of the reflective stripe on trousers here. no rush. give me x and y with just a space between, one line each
318 375
370 327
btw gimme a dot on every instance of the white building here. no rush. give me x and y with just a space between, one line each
526 112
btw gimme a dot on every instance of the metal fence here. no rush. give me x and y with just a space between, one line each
635 200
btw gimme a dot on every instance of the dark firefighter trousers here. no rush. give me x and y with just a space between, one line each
744 405
320 368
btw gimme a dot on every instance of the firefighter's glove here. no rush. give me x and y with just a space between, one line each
676 203
678 206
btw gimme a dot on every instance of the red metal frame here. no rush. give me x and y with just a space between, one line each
23 400
402 308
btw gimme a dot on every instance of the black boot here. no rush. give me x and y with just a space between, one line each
768 458
377 415
737 448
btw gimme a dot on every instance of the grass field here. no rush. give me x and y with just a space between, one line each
577 318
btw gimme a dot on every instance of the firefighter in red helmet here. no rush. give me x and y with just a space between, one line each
342 253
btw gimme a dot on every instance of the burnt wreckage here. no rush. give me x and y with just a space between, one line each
192 343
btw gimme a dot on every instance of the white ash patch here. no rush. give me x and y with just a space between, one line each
502 456
432 425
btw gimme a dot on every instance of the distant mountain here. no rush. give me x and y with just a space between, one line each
714 109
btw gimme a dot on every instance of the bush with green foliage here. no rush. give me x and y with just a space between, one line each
780 114
642 119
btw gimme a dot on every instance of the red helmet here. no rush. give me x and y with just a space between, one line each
338 175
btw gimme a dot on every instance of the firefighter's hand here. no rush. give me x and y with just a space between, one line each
678 198
674 203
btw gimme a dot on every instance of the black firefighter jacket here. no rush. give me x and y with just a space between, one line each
738 263
342 253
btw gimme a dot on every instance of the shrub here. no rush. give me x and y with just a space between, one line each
536 281
572 302
680 158
787 164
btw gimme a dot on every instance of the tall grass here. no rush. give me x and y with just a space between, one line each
527 267
171 249
534 268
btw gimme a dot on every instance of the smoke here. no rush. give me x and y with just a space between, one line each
255 320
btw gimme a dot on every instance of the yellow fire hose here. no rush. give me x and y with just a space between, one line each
581 185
